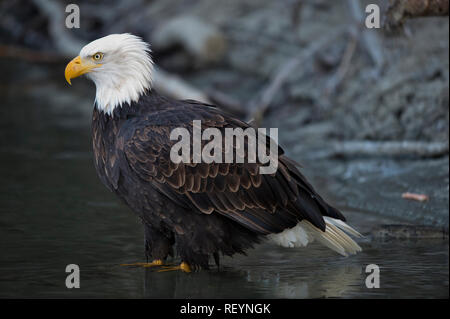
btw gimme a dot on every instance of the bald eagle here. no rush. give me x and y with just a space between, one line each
202 209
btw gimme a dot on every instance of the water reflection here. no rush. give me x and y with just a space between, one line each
410 269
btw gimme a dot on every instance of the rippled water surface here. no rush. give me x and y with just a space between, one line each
55 212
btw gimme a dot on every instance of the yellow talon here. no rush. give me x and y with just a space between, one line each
157 262
183 267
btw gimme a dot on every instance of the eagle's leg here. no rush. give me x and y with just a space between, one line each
191 259
158 246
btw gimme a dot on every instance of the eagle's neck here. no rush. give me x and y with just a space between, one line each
122 84
107 99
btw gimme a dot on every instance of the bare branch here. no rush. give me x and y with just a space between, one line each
338 77
260 105
388 148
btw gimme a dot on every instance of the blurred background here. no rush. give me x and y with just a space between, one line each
366 112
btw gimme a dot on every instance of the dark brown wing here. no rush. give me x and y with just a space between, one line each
264 203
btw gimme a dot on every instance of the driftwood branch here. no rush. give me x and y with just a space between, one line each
263 101
334 82
389 148
400 10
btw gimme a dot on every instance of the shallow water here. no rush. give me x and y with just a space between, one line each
55 212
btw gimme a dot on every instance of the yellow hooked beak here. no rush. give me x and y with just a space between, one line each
78 67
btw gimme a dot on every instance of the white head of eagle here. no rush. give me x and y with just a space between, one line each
120 66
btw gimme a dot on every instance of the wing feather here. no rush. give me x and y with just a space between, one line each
263 203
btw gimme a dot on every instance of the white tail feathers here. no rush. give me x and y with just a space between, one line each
334 236
339 223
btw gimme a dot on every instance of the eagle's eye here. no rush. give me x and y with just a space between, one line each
98 56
